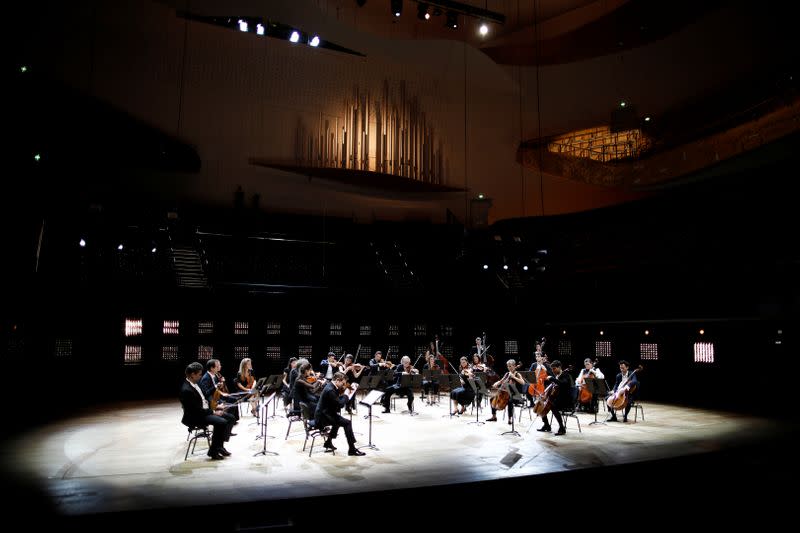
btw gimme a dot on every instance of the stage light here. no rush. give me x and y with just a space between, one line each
486 267
37 157
484 29
153 250
259 29
397 7
622 104
82 243
314 41
647 119
702 332
563 332
23 69
541 252
295 36
242 25
422 11
505 267
525 268
602 332
119 247
647 332
452 20
481 196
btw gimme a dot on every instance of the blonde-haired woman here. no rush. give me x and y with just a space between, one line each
245 381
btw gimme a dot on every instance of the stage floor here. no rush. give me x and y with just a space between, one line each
131 456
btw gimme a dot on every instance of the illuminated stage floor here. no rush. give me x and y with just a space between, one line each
131 456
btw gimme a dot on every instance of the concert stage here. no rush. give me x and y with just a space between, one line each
130 457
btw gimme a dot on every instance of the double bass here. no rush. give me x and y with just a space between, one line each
619 399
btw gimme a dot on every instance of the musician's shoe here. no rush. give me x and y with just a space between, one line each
233 434
509 421
224 452
493 419
624 418
561 431
215 455
355 451
545 428
612 419
386 411
329 445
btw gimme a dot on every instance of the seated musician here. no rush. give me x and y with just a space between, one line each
376 364
245 381
563 397
197 413
330 403
286 381
213 380
403 368
329 366
433 384
306 387
478 349
464 395
512 377
352 372
630 383
541 371
589 371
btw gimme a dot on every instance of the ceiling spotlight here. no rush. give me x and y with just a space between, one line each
505 267
481 196
647 332
563 332
525 268
23 69
82 243
314 41
702 332
647 119
622 104
119 247
259 29
242 25
602 332
397 7
484 29
153 250
422 11
486 267
37 157
295 36
452 20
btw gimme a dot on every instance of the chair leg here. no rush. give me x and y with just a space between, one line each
185 457
313 438
289 429
306 442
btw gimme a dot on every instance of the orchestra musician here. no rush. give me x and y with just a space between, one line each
334 397
478 349
377 363
286 385
464 395
631 385
213 380
433 385
512 377
563 397
329 366
541 371
198 413
404 368
352 371
306 386
589 371
245 381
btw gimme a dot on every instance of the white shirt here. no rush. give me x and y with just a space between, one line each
585 374
197 388
329 373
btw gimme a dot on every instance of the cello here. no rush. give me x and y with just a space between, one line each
619 399
544 402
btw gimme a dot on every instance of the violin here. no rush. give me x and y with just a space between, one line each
250 379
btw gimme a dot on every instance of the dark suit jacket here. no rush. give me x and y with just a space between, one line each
207 385
564 399
193 412
633 383
329 405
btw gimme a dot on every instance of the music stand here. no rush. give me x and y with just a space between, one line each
599 389
264 435
472 384
411 381
373 397
374 382
512 391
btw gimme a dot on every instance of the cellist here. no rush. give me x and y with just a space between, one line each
589 371
628 382
561 397
511 377
541 371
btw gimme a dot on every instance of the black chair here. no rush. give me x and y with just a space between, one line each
569 412
311 431
196 432
294 415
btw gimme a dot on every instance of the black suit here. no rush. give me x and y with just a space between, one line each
208 384
562 400
633 384
195 416
327 413
397 389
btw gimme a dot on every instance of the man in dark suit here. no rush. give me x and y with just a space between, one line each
327 414
197 413
563 398
209 383
628 382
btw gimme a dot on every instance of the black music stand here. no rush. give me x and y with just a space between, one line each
472 384
373 397
512 391
599 389
411 381
264 451
374 383
274 382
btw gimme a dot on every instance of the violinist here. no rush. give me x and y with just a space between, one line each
563 397
464 395
377 363
630 383
352 371
404 368
245 380
212 381
478 349
589 371
433 384
512 377
334 397
329 366
306 386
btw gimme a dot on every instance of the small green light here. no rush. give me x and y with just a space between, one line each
23 69
37 157
622 104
